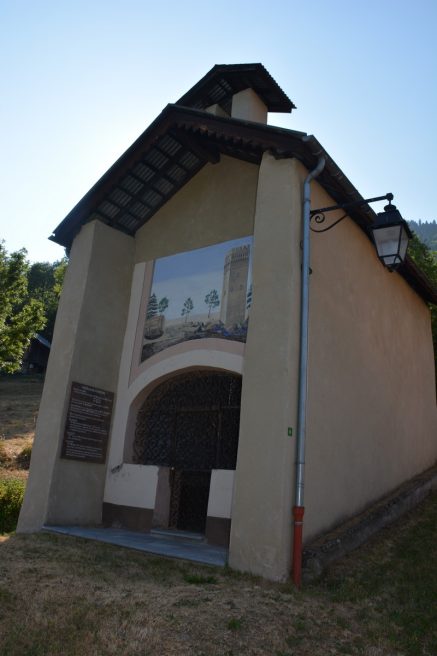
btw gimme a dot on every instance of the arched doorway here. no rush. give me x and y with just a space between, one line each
188 426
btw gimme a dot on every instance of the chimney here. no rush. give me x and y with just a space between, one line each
247 105
216 110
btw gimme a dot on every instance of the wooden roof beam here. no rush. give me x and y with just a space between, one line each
211 155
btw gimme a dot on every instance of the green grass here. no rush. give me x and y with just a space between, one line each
69 596
11 498
394 583
199 579
235 624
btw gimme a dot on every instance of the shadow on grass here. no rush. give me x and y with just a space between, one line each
395 572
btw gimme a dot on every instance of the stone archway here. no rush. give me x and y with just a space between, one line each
188 426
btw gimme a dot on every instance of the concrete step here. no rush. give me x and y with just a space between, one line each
187 549
174 534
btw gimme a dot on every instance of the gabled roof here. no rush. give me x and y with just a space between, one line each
225 80
177 145
163 159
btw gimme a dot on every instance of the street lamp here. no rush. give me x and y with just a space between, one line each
391 235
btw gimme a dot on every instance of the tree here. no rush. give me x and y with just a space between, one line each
426 231
20 316
427 262
249 298
59 275
424 258
187 309
212 300
45 280
163 305
152 307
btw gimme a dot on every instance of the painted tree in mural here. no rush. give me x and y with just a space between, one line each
187 309
152 307
249 298
212 300
163 305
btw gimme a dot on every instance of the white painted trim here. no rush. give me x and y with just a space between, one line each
132 325
173 364
200 358
132 485
220 493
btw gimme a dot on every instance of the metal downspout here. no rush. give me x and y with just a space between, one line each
298 508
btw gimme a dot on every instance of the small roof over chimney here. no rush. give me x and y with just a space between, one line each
224 81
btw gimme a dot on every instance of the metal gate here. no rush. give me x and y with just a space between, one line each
189 500
190 423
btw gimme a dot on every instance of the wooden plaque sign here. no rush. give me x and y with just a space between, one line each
88 421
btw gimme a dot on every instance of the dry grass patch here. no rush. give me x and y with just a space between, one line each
19 402
67 596
61 595
15 453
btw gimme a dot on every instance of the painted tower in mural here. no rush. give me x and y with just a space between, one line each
234 292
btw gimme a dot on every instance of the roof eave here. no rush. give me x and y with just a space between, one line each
280 102
281 141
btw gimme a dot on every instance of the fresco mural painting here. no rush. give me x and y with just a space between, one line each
198 294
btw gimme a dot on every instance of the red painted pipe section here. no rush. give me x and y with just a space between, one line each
298 512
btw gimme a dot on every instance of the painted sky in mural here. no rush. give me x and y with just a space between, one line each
198 294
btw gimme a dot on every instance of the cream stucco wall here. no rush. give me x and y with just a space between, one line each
261 513
218 204
372 420
247 105
86 348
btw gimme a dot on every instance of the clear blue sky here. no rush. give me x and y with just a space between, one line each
81 80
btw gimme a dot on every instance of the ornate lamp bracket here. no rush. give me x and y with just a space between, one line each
319 215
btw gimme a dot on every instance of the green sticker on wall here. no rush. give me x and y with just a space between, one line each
290 431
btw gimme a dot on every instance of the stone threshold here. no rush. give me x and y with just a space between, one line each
335 544
182 547
176 534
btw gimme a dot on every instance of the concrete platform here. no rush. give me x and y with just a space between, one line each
183 547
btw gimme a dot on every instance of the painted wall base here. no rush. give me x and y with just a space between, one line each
134 519
218 531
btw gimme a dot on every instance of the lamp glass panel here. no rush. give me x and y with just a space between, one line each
387 243
404 244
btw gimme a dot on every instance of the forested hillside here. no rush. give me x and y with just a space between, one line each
426 231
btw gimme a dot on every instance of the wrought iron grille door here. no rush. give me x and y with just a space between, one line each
190 423
189 500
